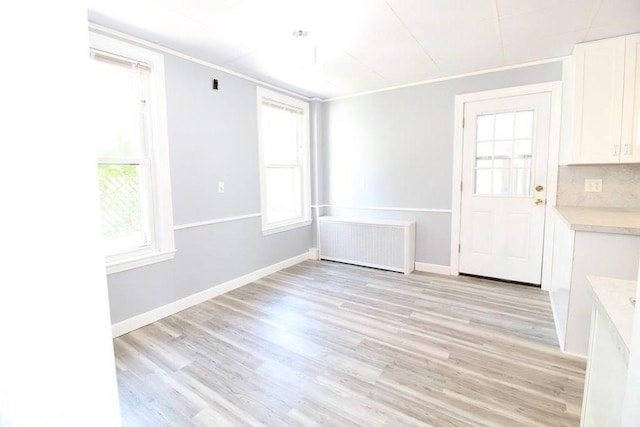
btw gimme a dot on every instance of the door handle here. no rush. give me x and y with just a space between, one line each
539 188
539 201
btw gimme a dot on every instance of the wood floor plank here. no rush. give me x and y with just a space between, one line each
324 343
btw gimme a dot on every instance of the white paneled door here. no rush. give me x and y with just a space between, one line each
505 152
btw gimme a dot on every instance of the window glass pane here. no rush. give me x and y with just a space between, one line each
121 206
280 130
523 148
115 121
483 181
483 163
485 127
503 149
484 150
522 182
284 194
501 163
522 162
524 124
504 153
501 181
504 126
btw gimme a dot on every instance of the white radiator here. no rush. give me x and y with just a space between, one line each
385 244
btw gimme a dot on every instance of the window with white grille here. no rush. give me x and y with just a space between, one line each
128 130
504 153
283 127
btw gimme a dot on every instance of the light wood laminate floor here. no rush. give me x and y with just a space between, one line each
323 343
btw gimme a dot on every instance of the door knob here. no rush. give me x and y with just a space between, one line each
539 188
539 201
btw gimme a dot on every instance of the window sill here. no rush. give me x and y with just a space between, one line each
139 261
285 227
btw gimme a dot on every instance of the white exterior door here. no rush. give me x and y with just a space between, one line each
505 153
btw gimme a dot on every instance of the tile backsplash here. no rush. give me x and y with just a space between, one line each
620 186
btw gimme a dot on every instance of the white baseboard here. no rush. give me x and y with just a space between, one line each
433 268
314 254
156 314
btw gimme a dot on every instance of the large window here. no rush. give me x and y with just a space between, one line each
128 130
283 127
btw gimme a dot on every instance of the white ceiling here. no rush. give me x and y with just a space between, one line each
361 45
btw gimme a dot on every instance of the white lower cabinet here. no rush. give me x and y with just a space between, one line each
606 376
577 254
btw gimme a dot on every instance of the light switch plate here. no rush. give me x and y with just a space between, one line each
593 185
220 186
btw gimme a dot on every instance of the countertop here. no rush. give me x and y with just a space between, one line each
603 220
611 297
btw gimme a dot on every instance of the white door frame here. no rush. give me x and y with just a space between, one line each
555 89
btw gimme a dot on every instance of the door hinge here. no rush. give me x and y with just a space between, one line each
461 186
458 247
463 123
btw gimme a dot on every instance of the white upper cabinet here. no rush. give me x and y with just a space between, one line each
630 147
606 119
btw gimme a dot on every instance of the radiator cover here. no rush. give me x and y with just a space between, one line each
385 244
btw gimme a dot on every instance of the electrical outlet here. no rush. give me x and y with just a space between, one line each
220 186
593 185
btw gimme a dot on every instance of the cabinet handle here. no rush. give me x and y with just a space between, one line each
616 150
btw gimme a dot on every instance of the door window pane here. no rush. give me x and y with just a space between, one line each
483 181
503 149
501 163
522 182
484 163
523 148
522 162
504 126
524 124
504 153
485 128
484 149
502 181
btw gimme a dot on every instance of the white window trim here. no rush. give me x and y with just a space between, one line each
161 209
305 220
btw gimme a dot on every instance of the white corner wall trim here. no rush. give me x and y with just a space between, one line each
156 314
216 221
161 48
385 208
433 268
314 254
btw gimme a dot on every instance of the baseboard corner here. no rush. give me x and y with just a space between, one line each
433 268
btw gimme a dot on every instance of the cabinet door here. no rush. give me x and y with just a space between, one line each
606 377
630 147
599 88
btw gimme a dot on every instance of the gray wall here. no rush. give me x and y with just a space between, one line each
394 149
391 149
212 137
